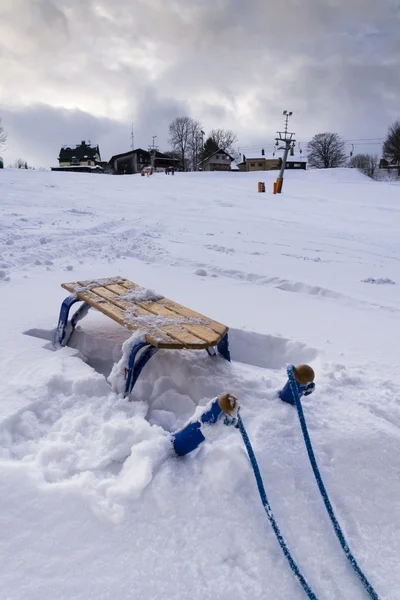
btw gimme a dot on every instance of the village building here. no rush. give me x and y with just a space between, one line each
217 161
296 161
390 165
134 161
259 162
271 162
83 158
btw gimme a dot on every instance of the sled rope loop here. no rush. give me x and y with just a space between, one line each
264 499
338 530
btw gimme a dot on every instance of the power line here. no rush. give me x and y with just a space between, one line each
367 140
366 143
357 140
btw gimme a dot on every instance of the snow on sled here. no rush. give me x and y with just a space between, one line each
164 324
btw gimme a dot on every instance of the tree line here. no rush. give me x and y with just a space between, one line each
186 137
327 151
191 146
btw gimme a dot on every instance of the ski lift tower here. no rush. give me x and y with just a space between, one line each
285 137
153 150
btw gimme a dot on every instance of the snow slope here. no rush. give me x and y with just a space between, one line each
94 504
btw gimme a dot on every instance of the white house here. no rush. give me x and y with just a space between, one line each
218 161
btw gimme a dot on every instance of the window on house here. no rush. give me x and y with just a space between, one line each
260 164
74 161
252 164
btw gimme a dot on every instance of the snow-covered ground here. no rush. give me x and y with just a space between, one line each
93 502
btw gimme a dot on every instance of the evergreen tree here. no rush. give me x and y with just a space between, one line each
210 147
391 146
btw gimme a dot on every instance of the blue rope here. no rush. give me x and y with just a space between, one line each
269 512
321 487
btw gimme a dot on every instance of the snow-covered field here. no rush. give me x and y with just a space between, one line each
93 502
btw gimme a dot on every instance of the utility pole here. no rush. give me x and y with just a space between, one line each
287 138
132 138
202 133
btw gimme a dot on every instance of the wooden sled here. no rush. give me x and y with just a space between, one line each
164 323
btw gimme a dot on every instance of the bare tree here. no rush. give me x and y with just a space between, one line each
224 138
326 151
391 146
366 163
185 137
179 136
20 163
3 137
195 144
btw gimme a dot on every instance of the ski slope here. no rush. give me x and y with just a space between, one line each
94 503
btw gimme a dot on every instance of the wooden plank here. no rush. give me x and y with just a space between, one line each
153 335
105 307
145 309
160 339
70 287
91 283
180 331
120 289
179 335
185 333
187 312
210 337
190 341
114 298
129 284
202 331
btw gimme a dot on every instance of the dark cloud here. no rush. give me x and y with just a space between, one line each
228 63
37 132
51 14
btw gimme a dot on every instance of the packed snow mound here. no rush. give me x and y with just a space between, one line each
95 503
339 175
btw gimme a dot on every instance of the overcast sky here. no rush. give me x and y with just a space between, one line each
83 69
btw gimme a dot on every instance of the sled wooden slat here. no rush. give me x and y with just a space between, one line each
187 312
165 324
202 330
155 337
150 310
205 329
108 309
196 333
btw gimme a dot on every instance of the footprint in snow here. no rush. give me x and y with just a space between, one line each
379 280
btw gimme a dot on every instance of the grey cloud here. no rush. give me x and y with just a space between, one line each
227 63
51 14
36 133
